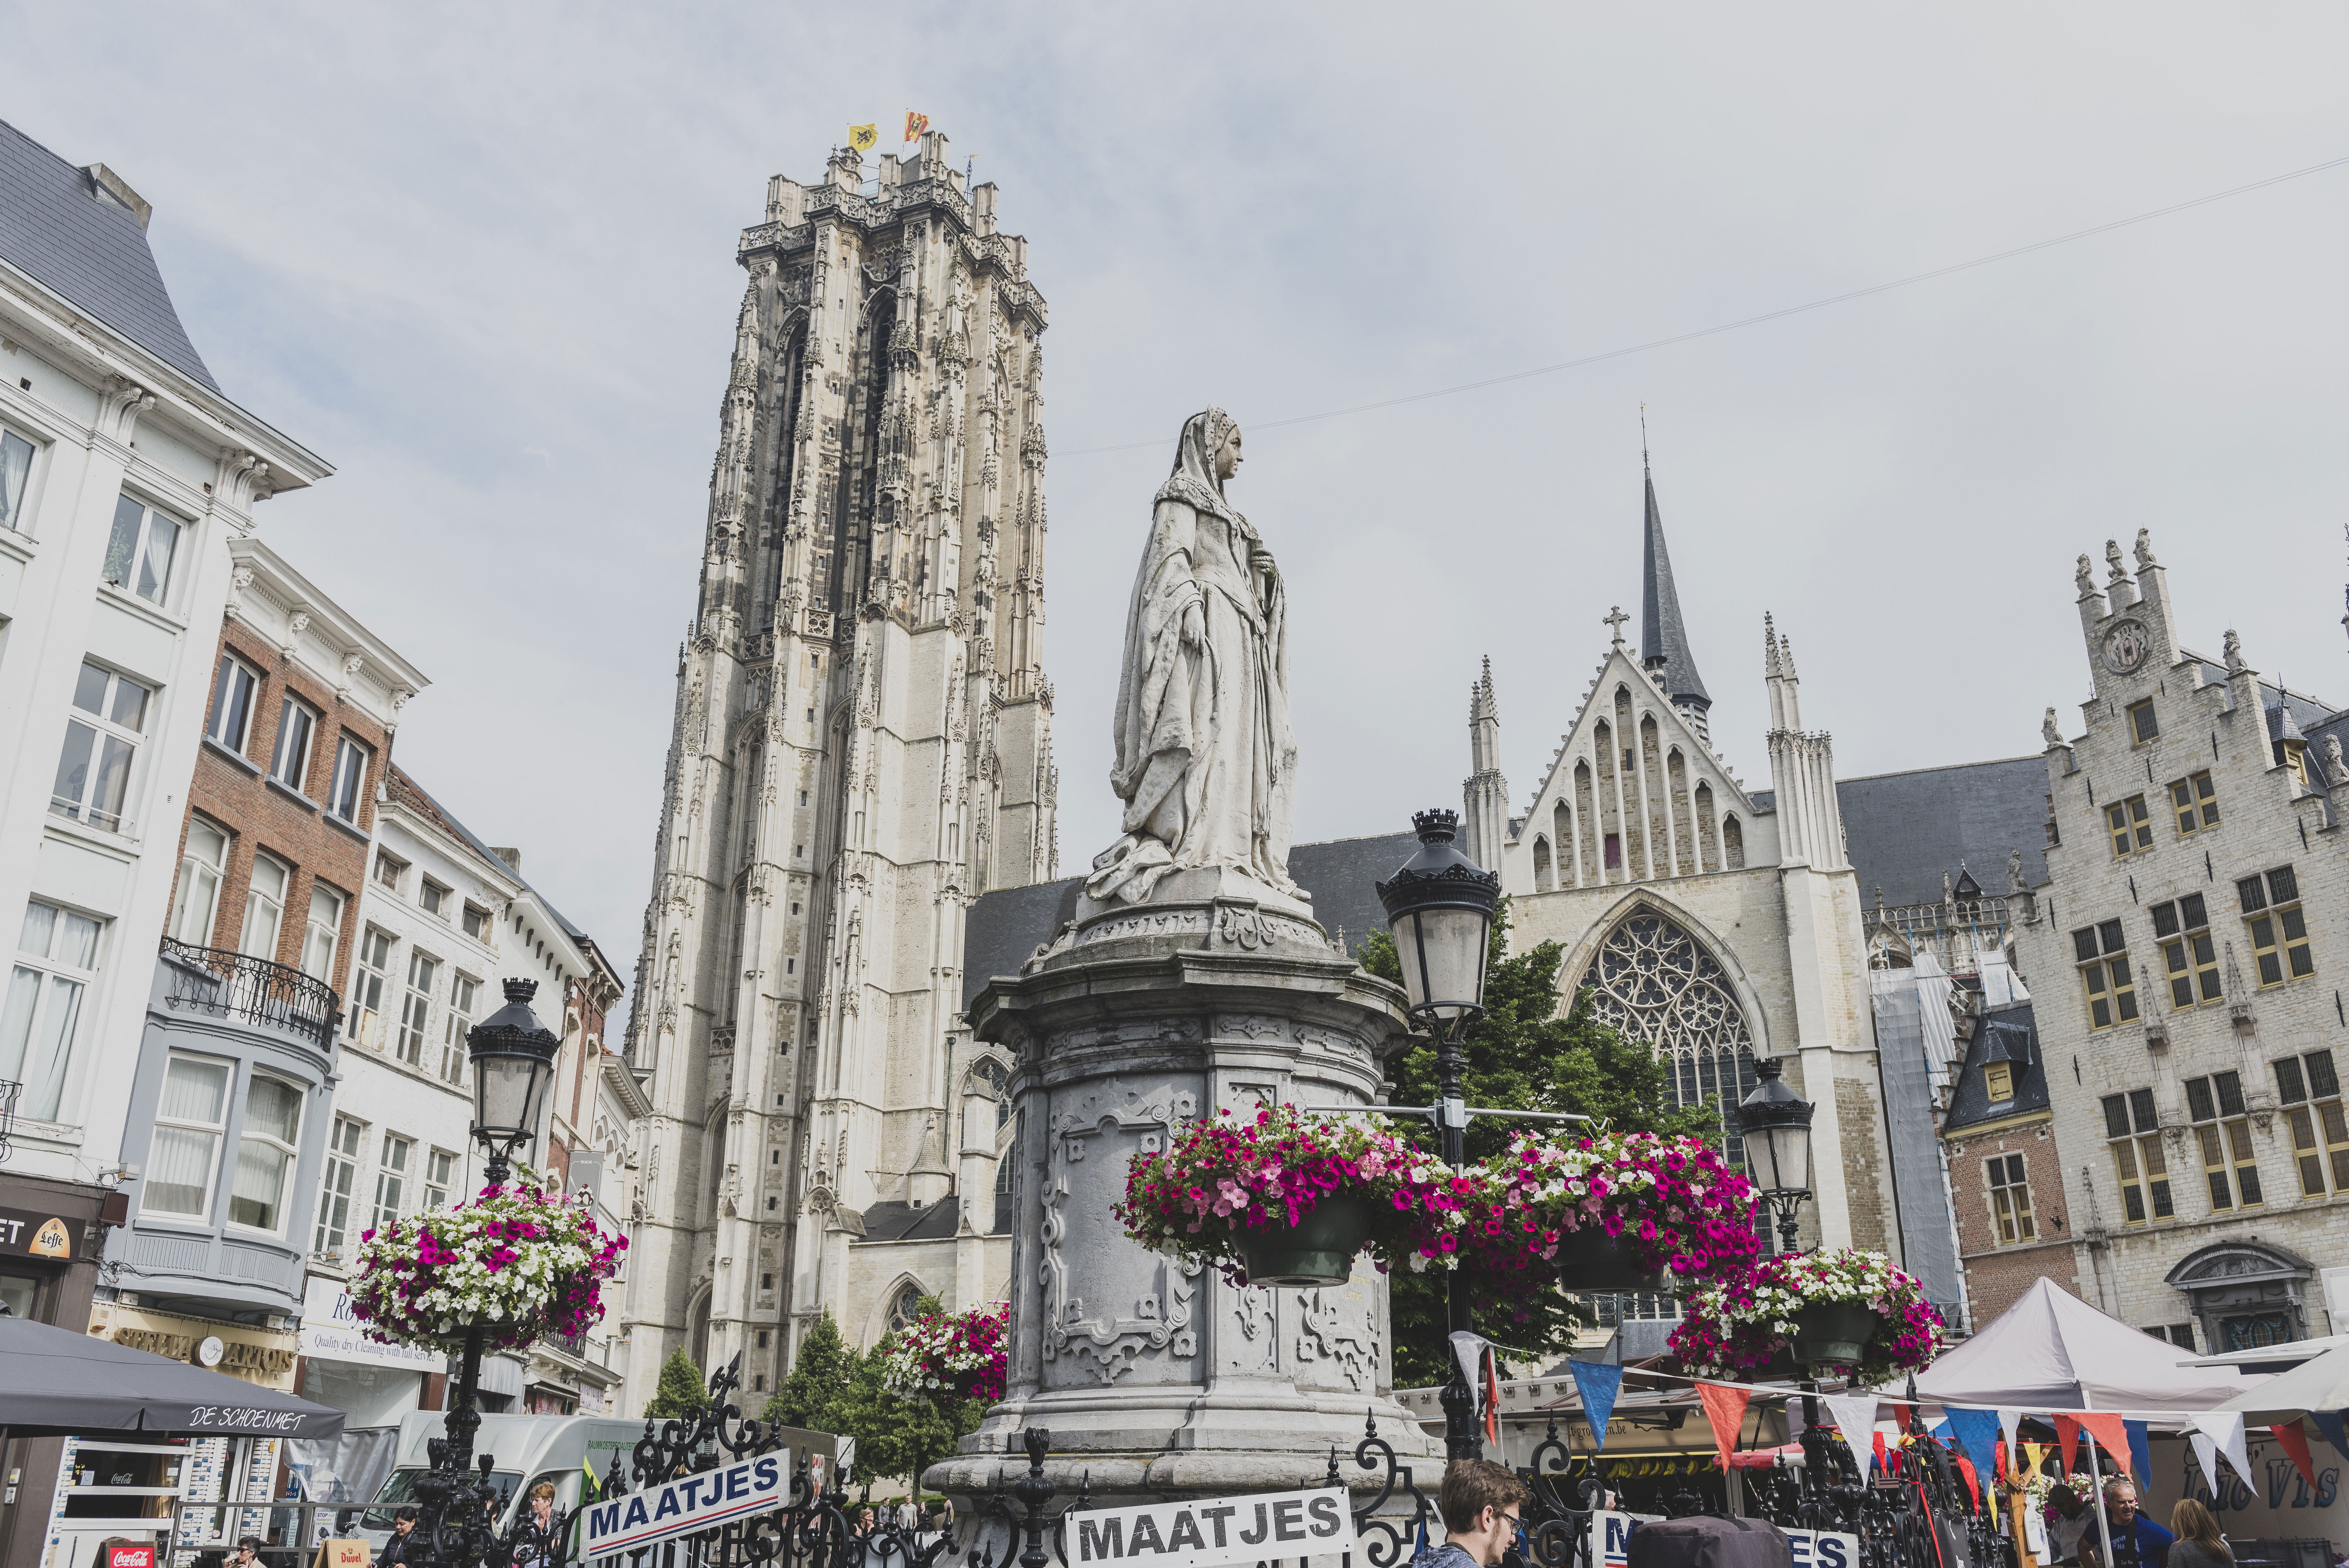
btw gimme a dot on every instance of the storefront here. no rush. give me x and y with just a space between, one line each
262 1356
374 1385
49 1266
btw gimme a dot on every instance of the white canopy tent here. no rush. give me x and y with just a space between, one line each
2051 1351
2321 1384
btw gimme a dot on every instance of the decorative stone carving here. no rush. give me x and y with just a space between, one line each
2047 729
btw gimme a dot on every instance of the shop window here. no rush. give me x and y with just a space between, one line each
2135 1132
56 961
2196 803
2181 928
2215 1105
2311 1091
2130 828
2278 929
2104 976
190 1116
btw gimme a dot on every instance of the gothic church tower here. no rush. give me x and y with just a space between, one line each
862 748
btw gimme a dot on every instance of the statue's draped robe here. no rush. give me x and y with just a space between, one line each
1205 760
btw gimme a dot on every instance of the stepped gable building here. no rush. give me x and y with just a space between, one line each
2188 977
1715 926
862 747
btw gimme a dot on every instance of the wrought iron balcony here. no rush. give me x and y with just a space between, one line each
253 989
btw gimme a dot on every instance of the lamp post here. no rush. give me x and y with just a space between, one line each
1775 1123
514 1066
1440 907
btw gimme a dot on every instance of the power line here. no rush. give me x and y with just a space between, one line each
1756 320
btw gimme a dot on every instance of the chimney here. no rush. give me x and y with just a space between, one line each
512 859
106 185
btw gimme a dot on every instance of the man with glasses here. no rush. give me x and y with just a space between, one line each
1482 1505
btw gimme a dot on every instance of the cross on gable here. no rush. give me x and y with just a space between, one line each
1615 623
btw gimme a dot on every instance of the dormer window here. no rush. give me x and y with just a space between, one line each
1998 1079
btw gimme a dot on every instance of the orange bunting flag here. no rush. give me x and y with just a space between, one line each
2111 1432
1491 1395
1966 1469
2068 1433
915 125
2295 1443
1724 1407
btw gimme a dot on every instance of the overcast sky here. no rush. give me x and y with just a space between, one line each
481 258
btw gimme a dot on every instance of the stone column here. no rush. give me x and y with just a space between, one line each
1157 1378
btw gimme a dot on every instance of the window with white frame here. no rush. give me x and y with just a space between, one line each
57 960
440 1177
102 740
463 991
416 1008
433 897
190 1118
321 932
388 869
234 686
391 1179
266 1148
15 474
265 908
298 724
140 554
368 983
349 787
334 1191
197 903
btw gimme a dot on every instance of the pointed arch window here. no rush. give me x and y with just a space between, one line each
1652 980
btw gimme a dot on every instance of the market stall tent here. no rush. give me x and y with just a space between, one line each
2052 1351
2322 1385
58 1383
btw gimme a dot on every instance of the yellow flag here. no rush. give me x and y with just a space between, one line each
863 136
2033 1453
915 124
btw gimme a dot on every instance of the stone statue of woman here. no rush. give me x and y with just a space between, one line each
1207 764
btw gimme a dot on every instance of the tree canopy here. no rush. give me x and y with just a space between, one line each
834 1388
679 1391
1523 1055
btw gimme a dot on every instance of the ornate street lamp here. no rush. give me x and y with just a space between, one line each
1440 907
514 1067
1777 1125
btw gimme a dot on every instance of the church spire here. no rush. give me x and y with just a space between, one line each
1663 640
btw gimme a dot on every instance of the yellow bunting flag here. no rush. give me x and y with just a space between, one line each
863 136
915 125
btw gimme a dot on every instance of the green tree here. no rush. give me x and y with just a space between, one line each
680 1391
821 1374
1523 1055
834 1389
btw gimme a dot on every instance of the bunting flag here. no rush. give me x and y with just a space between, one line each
1999 1466
1976 1431
2067 1436
1973 1486
1468 1349
1724 1407
2033 1456
1600 1383
915 125
2011 1422
2335 1425
1876 1446
1492 1396
1856 1415
2110 1432
2295 1443
2140 1452
2206 1453
2225 1428
863 136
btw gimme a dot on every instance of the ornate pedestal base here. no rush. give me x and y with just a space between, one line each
1158 1380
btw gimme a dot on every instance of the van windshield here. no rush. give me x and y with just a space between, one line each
399 1487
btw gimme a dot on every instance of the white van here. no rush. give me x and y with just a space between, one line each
529 1450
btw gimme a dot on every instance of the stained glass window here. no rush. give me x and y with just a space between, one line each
1652 980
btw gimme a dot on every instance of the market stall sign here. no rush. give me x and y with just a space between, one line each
1822 1549
1215 1530
686 1507
28 1233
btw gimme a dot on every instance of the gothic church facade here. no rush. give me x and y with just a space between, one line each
1716 923
862 747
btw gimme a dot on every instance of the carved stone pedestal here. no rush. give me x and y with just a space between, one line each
1154 1378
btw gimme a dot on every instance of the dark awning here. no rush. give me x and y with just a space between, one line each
55 1382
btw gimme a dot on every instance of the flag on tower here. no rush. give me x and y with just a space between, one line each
915 125
863 136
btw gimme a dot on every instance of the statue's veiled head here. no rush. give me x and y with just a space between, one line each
1209 451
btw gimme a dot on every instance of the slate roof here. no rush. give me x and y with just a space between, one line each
1661 633
404 786
2017 1031
1005 927
90 250
1904 830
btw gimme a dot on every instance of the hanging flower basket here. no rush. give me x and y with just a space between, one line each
1837 1310
518 1261
954 1356
1289 1198
1609 1211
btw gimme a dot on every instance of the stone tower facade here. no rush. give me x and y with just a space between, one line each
862 747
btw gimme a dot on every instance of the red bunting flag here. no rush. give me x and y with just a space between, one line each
2068 1433
1966 1469
1492 1396
2295 1443
1724 1407
1876 1439
2111 1432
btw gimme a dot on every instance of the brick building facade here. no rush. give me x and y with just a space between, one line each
2006 1177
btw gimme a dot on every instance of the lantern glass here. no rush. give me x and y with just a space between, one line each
1776 1124
514 1068
1442 951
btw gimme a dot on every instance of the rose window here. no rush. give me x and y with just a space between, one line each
1651 981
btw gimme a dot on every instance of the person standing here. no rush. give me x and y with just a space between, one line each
534 1536
2199 1544
2137 1539
1482 1505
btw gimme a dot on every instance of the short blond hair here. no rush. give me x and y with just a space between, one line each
544 1489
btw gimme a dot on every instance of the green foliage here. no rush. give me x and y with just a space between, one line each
1521 1055
834 1389
680 1391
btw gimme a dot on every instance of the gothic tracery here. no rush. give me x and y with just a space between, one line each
1651 981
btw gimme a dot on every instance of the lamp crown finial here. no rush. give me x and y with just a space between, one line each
1435 827
521 990
1768 1067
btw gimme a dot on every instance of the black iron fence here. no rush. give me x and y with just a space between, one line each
239 985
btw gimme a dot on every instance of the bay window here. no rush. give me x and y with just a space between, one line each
267 1149
190 1117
